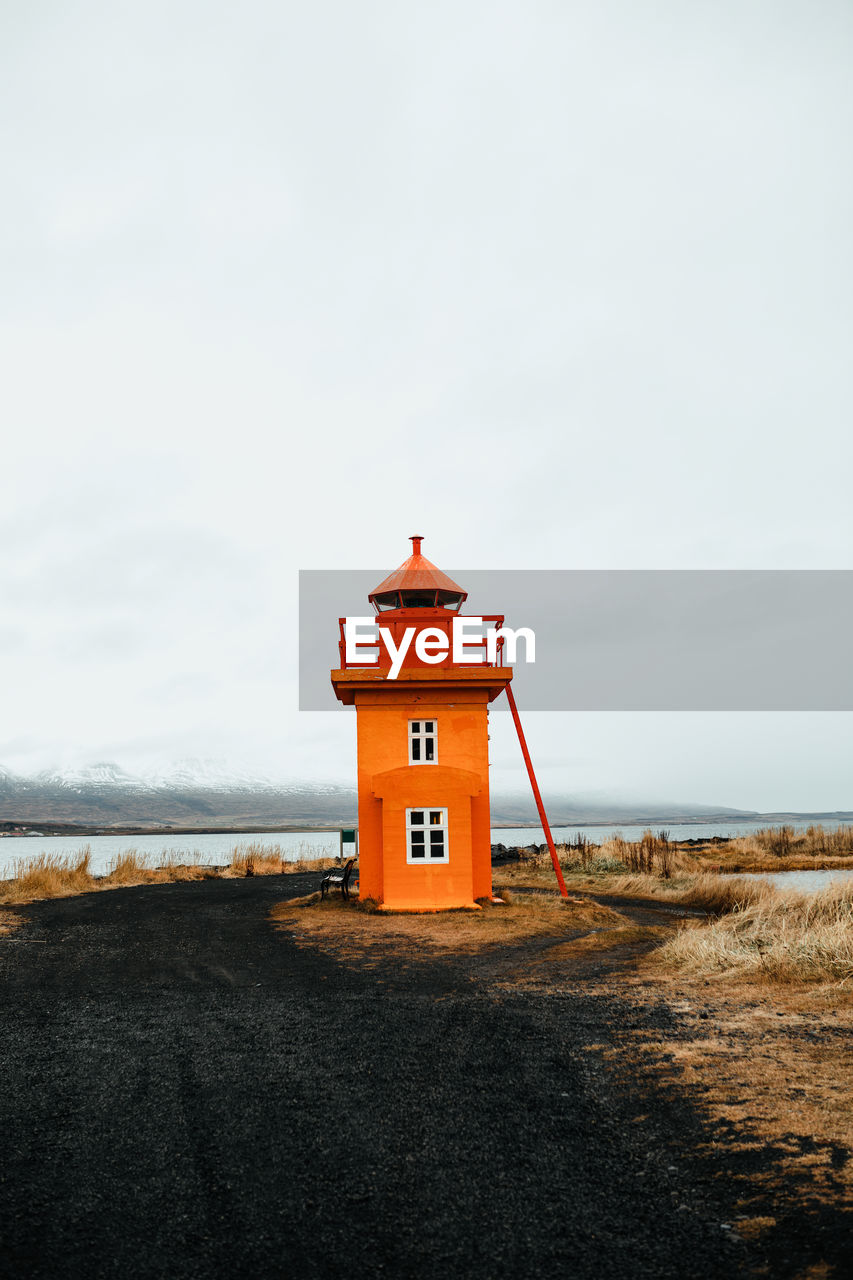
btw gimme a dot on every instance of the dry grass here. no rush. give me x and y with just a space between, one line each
767 849
9 920
782 935
269 859
707 891
653 854
129 868
779 849
769 1065
783 842
51 875
760 931
357 930
613 945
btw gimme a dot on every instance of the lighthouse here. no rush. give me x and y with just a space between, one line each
423 746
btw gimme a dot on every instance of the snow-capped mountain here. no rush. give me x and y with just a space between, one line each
191 793
95 775
194 772
191 774
207 793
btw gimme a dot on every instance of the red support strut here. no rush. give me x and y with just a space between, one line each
537 797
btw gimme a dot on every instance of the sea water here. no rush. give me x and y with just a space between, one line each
210 849
216 848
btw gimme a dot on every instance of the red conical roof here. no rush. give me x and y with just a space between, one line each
417 574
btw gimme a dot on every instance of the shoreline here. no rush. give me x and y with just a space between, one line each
16 829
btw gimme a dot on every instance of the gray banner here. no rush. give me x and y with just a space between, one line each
633 640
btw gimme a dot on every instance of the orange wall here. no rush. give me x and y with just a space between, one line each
387 785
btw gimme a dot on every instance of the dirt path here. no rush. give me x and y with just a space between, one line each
186 1092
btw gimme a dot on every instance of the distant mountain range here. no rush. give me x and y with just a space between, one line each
204 795
105 795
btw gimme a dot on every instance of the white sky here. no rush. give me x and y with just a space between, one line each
558 285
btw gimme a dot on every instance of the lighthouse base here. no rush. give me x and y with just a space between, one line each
391 909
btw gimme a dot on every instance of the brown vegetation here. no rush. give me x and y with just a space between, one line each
357 929
651 855
769 1065
51 875
756 930
655 853
780 849
9 921
706 891
268 859
782 935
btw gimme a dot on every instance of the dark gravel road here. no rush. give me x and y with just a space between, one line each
185 1093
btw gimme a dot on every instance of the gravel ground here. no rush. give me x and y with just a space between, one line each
187 1093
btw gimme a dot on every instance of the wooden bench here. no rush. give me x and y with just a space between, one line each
337 877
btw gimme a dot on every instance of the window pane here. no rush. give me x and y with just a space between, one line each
388 600
416 816
416 726
429 748
436 839
417 837
429 726
418 851
417 599
435 817
416 749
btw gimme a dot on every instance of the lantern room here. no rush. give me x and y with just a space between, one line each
417 584
423 761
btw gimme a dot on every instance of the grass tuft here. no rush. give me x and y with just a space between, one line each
269 859
49 875
783 935
129 867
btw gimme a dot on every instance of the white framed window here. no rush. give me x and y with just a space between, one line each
423 742
426 836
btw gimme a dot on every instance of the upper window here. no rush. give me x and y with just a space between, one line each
426 835
423 745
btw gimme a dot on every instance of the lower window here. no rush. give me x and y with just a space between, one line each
426 835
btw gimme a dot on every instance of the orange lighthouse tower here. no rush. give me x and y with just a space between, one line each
423 762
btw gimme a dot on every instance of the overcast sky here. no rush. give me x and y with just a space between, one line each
557 285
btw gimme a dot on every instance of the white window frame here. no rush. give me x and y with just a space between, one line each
421 737
427 826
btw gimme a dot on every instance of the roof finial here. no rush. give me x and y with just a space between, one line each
416 539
